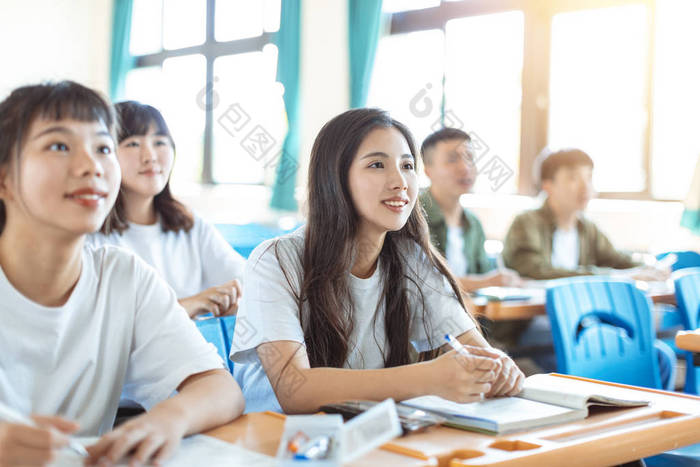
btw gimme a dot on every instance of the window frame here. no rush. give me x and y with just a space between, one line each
211 49
534 117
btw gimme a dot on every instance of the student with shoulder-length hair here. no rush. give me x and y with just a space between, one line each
188 252
79 324
356 304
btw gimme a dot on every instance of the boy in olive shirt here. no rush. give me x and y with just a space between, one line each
455 231
556 240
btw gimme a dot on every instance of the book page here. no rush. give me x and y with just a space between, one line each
575 393
195 450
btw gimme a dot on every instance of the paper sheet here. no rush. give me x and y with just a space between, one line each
195 450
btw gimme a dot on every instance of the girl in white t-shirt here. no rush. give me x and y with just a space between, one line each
356 304
190 254
79 324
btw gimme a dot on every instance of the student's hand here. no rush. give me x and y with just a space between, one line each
462 379
25 445
503 278
150 438
509 381
651 274
220 300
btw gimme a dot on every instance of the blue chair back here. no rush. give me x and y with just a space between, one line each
687 285
245 237
602 328
213 333
228 325
686 259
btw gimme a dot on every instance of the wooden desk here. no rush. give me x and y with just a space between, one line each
688 340
604 438
519 309
261 432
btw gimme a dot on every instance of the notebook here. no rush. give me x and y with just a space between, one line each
500 294
545 400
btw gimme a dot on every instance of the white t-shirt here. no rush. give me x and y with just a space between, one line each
454 251
565 249
269 313
121 327
188 261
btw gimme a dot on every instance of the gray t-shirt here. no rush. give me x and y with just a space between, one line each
269 312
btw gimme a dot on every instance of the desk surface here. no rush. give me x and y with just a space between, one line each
526 309
688 340
604 438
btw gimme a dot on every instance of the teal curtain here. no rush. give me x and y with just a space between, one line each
288 40
691 214
364 22
121 60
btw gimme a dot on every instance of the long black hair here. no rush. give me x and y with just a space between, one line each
330 248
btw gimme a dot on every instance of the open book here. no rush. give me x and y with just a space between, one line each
545 400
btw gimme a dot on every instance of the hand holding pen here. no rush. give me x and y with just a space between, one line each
509 380
35 440
446 376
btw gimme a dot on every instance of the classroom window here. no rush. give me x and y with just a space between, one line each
597 91
675 145
614 77
483 86
411 92
195 60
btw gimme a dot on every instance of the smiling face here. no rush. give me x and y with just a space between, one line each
146 161
383 182
451 168
66 178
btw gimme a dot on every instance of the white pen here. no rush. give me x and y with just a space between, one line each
459 348
10 415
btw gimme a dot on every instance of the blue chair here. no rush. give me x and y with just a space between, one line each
213 333
245 237
686 259
602 328
687 285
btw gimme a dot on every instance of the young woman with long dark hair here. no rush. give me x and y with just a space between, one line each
356 304
190 254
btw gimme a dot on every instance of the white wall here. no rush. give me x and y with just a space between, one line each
54 39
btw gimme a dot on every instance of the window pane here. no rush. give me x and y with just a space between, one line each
144 85
597 91
407 79
483 90
394 6
184 23
146 27
675 145
249 119
273 10
238 19
183 83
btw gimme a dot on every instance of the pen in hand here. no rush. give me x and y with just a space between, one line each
9 415
460 349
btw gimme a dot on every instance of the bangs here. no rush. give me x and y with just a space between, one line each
68 100
135 119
